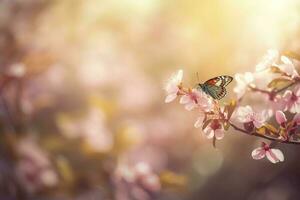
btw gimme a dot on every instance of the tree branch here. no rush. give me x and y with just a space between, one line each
262 136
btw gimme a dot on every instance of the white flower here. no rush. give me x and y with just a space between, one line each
246 114
273 155
268 60
243 80
172 86
288 67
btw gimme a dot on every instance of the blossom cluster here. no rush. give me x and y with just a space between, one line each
276 81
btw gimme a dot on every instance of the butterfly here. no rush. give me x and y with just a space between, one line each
215 87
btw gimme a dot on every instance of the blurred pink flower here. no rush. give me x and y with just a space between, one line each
215 128
95 132
196 98
91 128
172 86
245 114
273 155
268 60
291 100
34 169
137 182
243 80
17 70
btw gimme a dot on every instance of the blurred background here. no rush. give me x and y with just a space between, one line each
82 112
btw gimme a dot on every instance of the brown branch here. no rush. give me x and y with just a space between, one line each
262 136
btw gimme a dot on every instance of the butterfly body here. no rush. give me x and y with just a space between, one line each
215 87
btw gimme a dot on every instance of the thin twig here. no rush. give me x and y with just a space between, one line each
263 136
273 93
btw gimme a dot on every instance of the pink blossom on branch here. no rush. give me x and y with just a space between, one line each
291 100
247 115
214 129
196 99
273 155
267 82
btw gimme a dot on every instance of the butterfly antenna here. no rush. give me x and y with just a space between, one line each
197 74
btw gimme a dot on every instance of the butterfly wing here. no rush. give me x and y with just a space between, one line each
221 81
215 87
216 92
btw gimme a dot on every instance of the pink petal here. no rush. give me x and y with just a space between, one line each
280 117
219 133
287 95
244 113
297 91
179 75
258 153
170 98
297 118
208 132
199 121
295 108
171 88
184 99
190 106
275 155
257 124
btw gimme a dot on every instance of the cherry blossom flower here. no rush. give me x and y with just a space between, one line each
34 169
243 80
268 60
196 98
137 181
247 115
214 129
288 67
91 129
291 100
172 86
273 155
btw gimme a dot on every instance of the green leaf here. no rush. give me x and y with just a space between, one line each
271 129
279 83
262 130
